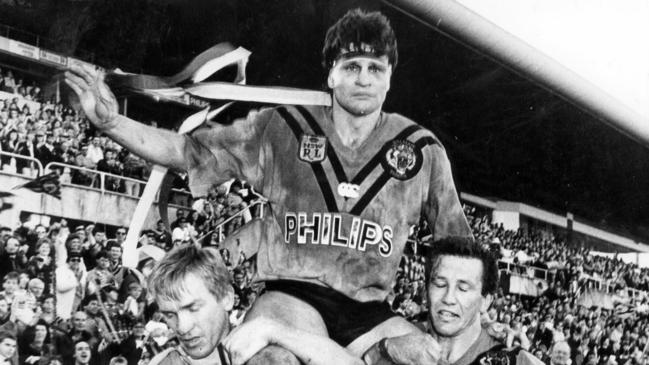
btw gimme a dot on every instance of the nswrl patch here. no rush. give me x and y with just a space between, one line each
312 148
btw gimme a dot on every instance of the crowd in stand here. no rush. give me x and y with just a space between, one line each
64 284
52 132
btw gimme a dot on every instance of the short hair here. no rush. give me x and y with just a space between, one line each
466 248
11 275
35 281
113 243
166 280
88 299
4 334
357 28
102 255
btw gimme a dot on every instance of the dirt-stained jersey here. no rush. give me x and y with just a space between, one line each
340 216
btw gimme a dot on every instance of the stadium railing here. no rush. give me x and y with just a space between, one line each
261 203
591 282
97 180
531 271
34 166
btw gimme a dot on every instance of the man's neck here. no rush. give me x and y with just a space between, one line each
353 130
212 359
453 348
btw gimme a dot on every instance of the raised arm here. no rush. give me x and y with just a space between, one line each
159 146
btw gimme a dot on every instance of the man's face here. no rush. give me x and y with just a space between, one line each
103 263
74 262
120 235
12 246
360 84
10 285
198 318
92 307
115 253
79 321
239 279
7 348
75 245
82 353
560 354
100 237
36 289
48 305
40 232
454 294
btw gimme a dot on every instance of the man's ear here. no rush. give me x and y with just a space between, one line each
330 80
228 301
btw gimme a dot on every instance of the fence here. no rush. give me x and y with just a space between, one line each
261 203
589 282
106 182
10 164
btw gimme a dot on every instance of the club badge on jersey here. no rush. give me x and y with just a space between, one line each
313 148
402 159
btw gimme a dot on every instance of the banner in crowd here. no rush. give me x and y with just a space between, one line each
513 283
609 301
637 258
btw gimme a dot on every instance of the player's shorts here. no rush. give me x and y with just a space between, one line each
346 319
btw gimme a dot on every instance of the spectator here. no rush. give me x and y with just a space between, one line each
109 164
94 152
47 309
41 265
80 330
82 353
10 286
101 276
13 257
560 354
7 347
35 344
134 168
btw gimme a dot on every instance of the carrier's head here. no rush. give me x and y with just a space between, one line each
360 33
192 288
167 280
463 278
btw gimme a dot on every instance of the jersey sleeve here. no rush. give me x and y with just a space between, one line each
218 152
442 207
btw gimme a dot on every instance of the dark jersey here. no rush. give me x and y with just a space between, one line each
340 217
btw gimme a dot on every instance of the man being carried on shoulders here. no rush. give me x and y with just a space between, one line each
344 183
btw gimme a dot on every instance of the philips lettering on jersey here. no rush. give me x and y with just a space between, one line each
340 230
